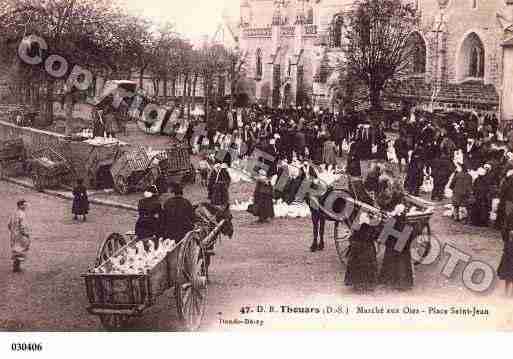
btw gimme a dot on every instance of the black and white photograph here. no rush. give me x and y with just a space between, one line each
255 166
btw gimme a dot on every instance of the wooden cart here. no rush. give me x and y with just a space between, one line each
175 165
12 153
115 298
133 170
50 169
420 237
99 162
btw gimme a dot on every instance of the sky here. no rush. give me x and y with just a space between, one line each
193 18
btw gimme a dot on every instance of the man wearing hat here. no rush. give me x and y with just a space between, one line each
20 235
177 216
150 213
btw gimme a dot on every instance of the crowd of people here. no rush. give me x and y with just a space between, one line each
467 158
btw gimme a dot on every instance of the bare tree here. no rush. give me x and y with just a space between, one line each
377 50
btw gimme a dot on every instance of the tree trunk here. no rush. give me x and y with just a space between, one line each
68 113
141 76
375 95
156 87
165 88
48 113
205 97
173 88
194 83
184 92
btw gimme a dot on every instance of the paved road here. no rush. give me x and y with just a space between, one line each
263 265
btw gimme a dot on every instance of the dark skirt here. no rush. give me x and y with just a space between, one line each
480 213
505 269
362 266
396 271
146 227
80 205
264 207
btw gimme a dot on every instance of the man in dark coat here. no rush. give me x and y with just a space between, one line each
150 215
177 216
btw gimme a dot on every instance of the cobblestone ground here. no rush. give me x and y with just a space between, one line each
264 265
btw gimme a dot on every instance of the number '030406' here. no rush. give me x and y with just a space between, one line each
26 347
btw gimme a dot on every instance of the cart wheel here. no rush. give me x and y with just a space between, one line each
109 246
342 242
421 245
191 284
121 185
113 322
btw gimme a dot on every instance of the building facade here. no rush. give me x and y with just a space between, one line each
463 56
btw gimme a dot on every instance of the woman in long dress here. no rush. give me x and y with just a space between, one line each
362 266
396 271
480 210
329 153
353 166
505 269
263 198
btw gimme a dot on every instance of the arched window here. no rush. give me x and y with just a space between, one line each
471 58
309 16
476 66
259 63
336 31
474 4
417 48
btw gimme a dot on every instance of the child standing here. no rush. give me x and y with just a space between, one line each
80 205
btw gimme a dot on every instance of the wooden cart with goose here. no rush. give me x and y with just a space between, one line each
349 204
117 296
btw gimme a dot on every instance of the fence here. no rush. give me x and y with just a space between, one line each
33 139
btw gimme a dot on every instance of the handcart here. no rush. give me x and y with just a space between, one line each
99 163
175 164
352 202
12 153
115 298
133 170
50 169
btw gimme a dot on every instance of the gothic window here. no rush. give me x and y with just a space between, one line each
259 63
472 57
336 31
309 16
476 68
474 4
418 53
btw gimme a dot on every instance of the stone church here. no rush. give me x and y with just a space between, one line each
463 56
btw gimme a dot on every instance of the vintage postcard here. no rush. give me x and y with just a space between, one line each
255 165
